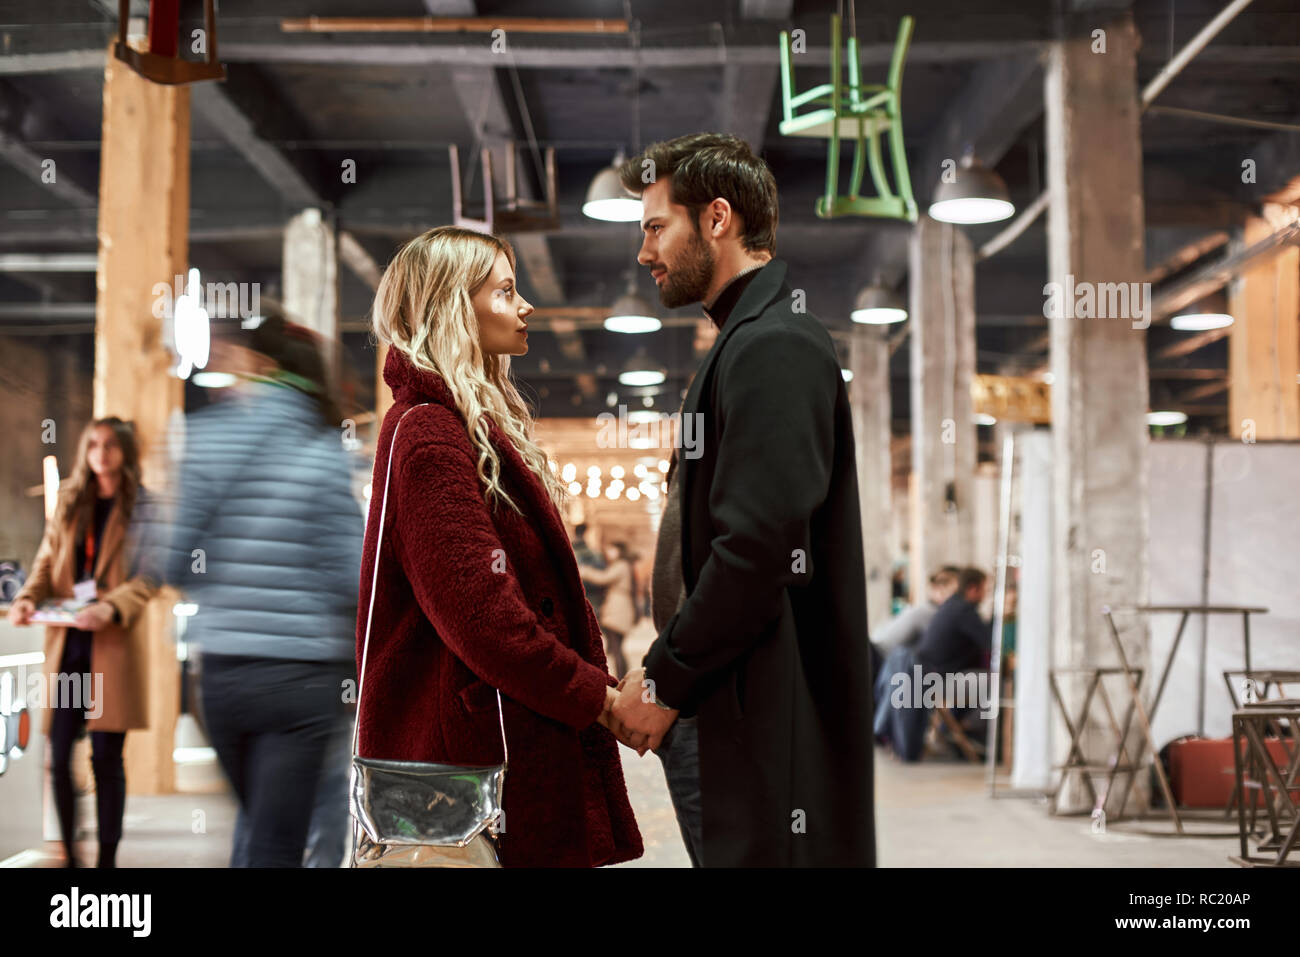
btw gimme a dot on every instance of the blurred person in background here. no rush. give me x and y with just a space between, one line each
957 639
475 592
588 557
618 611
267 542
87 553
907 627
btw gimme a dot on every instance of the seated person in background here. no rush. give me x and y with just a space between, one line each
958 640
894 647
907 628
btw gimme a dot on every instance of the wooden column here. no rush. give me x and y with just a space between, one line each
1264 344
144 202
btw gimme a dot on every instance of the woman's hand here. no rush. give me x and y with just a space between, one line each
94 617
21 611
610 697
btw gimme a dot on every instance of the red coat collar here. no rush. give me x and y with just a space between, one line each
409 382
411 386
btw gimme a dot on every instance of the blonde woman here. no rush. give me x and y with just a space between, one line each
477 588
86 551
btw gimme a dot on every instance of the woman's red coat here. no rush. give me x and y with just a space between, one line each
469 600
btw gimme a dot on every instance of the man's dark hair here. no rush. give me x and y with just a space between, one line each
970 578
702 167
948 573
580 530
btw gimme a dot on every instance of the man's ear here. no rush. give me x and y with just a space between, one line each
724 215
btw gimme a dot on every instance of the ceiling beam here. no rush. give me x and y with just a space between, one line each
1183 257
1203 391
18 118
34 57
355 257
989 114
1185 347
288 178
1214 276
565 56
748 90
49 262
241 108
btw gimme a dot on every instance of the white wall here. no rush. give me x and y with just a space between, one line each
1254 560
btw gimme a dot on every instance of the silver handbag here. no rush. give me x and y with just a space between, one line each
413 814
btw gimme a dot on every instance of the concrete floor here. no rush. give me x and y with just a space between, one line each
933 814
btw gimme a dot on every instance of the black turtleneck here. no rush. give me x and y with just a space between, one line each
729 296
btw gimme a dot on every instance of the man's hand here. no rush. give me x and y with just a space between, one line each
635 712
607 719
94 617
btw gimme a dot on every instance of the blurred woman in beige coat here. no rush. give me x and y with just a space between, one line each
618 611
86 544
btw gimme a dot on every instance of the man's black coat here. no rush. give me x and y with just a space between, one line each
770 649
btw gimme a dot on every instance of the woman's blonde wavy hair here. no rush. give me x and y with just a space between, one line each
423 308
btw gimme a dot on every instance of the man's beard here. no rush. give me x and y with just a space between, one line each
689 281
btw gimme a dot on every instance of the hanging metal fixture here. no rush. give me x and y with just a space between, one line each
641 370
878 305
975 194
607 199
632 313
1208 313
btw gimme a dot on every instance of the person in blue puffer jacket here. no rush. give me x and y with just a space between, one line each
266 540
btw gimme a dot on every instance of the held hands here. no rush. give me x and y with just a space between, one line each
634 717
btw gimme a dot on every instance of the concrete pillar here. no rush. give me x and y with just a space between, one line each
942 268
869 394
310 269
144 202
1263 348
1099 393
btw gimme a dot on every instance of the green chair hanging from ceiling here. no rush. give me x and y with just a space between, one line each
861 111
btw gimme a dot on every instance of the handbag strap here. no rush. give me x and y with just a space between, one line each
370 612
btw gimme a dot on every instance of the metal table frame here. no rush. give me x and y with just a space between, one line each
1276 783
1145 715
1074 759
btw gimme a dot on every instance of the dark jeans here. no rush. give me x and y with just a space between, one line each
66 724
271 721
897 720
680 753
327 836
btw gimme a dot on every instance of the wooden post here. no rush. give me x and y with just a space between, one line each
1263 346
144 203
